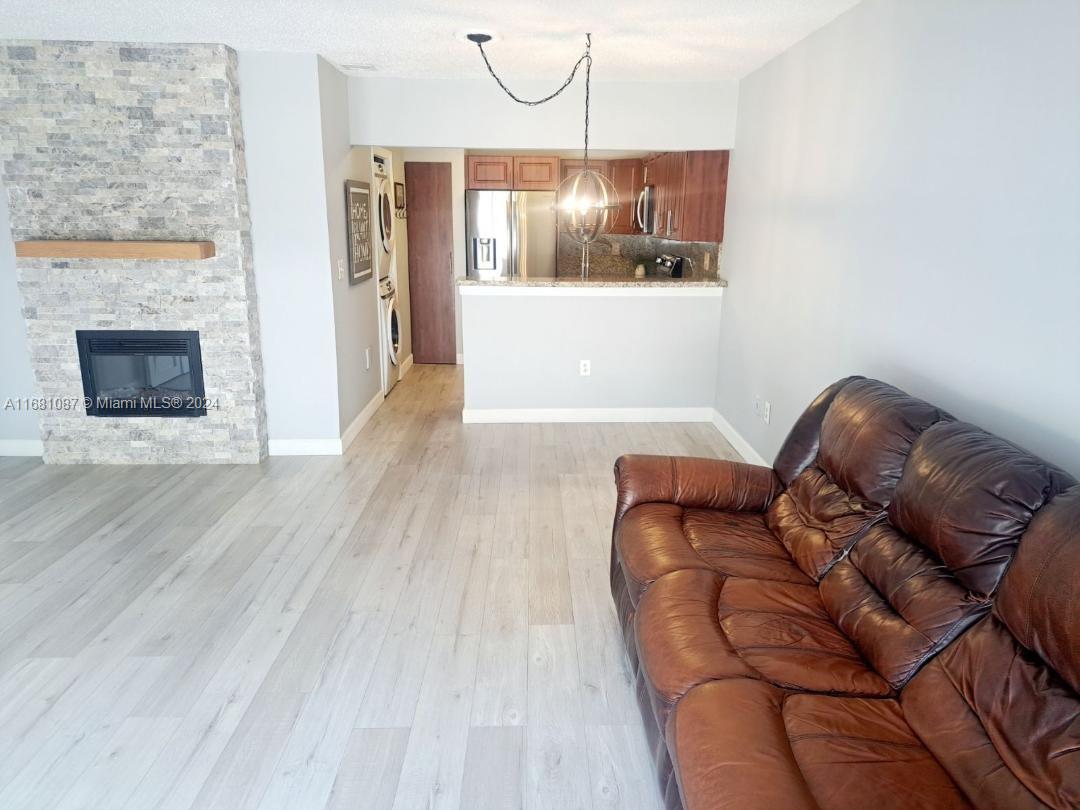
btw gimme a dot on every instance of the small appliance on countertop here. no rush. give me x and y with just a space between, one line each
669 265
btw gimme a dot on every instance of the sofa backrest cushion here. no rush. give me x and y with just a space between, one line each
999 707
968 496
1040 597
916 581
800 448
865 437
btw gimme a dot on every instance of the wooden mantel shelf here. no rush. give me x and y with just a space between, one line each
81 249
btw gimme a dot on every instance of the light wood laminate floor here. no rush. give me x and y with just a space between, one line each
424 622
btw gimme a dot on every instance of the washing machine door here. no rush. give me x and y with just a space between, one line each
393 331
386 216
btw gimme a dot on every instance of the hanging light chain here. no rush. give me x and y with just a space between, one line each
585 58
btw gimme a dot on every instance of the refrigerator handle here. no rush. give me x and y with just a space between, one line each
511 215
640 215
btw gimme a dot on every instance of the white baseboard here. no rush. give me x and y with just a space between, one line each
521 415
362 418
460 359
406 364
327 447
736 440
21 447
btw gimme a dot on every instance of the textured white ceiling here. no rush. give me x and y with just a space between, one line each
662 40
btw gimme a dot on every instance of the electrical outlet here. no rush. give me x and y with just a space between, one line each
367 359
708 261
340 269
585 368
762 409
616 248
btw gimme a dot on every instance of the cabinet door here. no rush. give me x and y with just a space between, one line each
489 172
705 196
676 181
536 173
626 177
568 167
654 176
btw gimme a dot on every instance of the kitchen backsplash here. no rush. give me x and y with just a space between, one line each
618 256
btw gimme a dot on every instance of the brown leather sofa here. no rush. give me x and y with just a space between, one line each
888 617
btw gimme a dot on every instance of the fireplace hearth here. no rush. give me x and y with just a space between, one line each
141 373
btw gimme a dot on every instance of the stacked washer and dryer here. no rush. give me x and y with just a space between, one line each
389 322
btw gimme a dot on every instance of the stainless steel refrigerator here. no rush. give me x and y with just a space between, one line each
510 234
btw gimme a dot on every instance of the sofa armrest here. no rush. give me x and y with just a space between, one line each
703 483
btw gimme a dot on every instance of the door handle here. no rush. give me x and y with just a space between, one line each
451 264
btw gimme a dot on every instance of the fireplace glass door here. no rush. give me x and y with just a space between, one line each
141 373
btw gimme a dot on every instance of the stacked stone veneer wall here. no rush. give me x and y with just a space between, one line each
118 141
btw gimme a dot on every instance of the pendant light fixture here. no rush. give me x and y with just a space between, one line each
587 204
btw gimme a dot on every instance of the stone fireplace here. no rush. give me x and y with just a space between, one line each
110 141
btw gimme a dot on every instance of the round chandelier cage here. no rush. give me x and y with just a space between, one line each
587 204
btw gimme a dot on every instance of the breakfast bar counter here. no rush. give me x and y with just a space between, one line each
603 349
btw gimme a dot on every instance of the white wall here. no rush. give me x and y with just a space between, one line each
355 306
905 203
279 100
18 428
476 114
647 350
456 159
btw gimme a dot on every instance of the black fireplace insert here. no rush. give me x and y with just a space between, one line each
141 373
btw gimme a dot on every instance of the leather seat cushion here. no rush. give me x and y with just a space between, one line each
1004 725
741 743
695 626
654 539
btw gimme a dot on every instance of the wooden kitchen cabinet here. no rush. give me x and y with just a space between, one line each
626 176
489 172
539 173
690 190
704 196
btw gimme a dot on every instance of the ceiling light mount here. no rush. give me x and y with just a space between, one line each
478 38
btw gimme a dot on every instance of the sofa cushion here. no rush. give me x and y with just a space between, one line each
999 707
866 435
1005 726
694 626
964 501
741 743
654 539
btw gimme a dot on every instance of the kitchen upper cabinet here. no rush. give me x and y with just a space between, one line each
489 172
626 176
536 173
704 196
690 193
520 172
569 167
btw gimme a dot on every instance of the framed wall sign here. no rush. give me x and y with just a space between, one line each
358 225
399 196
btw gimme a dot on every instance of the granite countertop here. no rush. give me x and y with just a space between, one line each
595 281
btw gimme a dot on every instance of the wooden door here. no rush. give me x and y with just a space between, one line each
489 172
705 196
431 262
536 173
626 177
